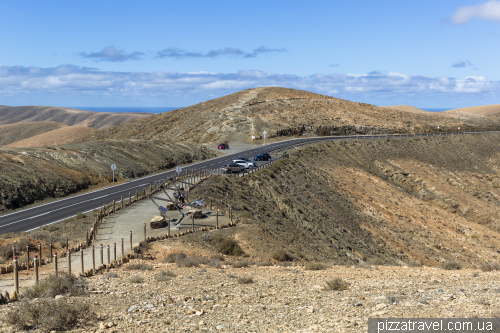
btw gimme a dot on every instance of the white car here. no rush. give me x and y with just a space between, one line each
246 164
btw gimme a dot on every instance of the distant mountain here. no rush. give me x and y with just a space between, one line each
483 110
15 132
67 116
281 112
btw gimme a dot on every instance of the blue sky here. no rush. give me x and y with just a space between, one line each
177 53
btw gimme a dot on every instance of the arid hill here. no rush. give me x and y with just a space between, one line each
409 108
15 132
281 112
31 174
474 111
393 201
67 116
60 136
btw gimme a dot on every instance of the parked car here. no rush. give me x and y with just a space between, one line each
223 146
262 157
232 167
246 163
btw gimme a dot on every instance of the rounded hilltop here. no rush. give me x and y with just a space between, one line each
281 112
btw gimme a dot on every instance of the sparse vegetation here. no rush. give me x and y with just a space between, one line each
245 280
164 276
111 275
336 284
51 286
282 255
49 315
314 266
452 265
240 264
136 279
226 245
138 267
489 267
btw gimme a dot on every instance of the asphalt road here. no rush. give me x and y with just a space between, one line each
32 218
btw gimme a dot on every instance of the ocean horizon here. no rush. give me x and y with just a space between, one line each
127 109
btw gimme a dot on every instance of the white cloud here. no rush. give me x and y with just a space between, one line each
72 81
487 11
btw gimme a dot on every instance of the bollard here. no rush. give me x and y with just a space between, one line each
131 239
123 252
93 258
69 261
109 257
145 232
55 263
16 274
102 255
40 253
50 252
81 260
35 260
13 251
169 227
28 257
114 251
217 218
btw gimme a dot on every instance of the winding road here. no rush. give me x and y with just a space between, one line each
35 217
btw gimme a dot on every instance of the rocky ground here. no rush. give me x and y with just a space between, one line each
279 298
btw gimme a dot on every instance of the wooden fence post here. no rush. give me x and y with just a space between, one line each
114 251
131 239
35 266
121 200
67 243
109 257
55 263
13 251
50 252
69 261
93 258
40 253
145 232
129 199
28 257
169 227
16 274
123 252
114 207
217 218
192 221
102 256
81 260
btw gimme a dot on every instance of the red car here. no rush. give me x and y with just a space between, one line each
223 146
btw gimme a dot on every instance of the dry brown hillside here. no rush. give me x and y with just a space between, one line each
67 116
60 136
281 112
413 200
409 108
15 132
474 111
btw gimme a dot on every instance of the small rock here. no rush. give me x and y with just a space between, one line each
102 326
199 313
380 306
58 297
310 310
134 308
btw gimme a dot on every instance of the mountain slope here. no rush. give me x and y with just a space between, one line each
281 112
60 136
15 132
67 116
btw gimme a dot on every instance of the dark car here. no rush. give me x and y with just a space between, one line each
262 157
223 146
232 167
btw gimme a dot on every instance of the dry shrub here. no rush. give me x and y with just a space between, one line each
240 264
226 245
282 255
415 264
336 284
174 257
215 263
263 263
110 275
136 279
314 266
164 276
139 267
489 267
49 315
245 280
51 286
452 265
218 256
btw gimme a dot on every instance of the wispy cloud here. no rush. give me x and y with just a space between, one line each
334 65
110 53
487 11
174 52
72 80
461 64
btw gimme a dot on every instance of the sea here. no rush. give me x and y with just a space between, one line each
435 109
126 109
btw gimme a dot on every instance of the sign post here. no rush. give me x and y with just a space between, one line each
458 129
253 138
265 135
113 167
178 169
